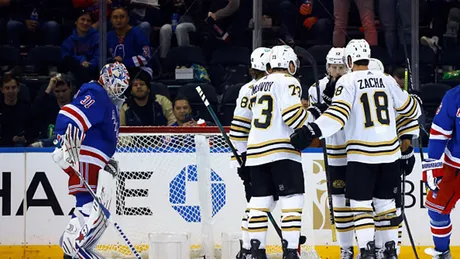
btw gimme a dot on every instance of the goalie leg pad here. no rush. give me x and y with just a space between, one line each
386 223
88 254
258 219
67 239
343 217
291 218
97 221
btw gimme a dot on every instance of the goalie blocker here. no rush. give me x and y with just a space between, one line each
88 221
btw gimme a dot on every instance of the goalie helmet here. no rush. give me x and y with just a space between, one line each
260 58
356 50
282 56
376 65
114 77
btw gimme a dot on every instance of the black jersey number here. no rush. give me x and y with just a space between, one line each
265 119
296 90
381 109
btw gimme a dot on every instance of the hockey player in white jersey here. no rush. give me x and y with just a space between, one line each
362 106
335 68
275 165
239 132
407 129
337 155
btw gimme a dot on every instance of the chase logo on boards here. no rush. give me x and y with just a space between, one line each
178 193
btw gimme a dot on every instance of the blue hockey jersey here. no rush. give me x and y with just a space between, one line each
134 48
93 112
444 131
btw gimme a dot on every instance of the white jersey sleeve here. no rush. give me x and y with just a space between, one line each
242 116
312 92
292 111
337 115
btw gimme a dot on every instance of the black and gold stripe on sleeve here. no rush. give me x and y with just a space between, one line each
294 116
239 129
339 111
406 126
383 148
409 108
271 147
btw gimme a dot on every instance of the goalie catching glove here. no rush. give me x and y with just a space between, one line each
302 138
432 173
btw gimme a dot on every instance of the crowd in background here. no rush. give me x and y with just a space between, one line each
49 48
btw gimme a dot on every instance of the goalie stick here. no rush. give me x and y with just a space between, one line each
302 239
307 55
71 142
108 214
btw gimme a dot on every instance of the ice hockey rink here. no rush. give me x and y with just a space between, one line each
187 202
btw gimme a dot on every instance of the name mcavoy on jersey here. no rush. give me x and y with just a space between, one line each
263 86
371 83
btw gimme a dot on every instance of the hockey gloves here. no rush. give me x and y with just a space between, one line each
244 174
317 109
432 173
329 91
407 161
302 138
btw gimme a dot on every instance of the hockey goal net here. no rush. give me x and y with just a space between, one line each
179 180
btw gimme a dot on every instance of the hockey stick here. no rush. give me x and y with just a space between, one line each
408 82
307 55
302 239
108 214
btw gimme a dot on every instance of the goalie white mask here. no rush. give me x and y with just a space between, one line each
282 56
114 78
260 57
356 50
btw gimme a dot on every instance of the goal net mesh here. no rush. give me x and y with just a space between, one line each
169 183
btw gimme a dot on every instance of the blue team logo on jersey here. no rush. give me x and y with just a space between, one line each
178 193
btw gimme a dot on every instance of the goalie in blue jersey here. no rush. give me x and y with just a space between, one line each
87 130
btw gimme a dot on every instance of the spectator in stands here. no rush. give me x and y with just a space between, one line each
183 112
445 23
366 13
391 12
4 16
398 75
14 113
93 7
127 44
185 24
46 107
231 16
145 109
34 22
145 14
80 51
315 18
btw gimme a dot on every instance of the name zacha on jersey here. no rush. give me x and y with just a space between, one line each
371 83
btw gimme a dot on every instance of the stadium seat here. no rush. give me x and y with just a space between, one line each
159 88
184 56
9 56
229 103
306 76
427 60
43 58
319 52
230 66
199 109
450 57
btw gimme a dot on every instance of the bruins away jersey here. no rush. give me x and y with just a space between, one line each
241 122
276 111
363 105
